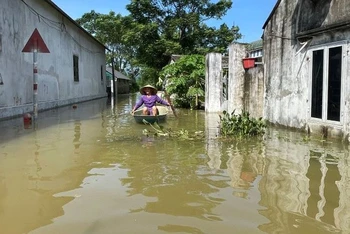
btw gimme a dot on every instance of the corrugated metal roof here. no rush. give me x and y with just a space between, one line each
117 74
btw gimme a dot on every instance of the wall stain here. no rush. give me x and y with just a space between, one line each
17 101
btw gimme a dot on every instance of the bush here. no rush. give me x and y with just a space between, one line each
241 125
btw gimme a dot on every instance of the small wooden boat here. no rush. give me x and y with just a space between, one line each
161 117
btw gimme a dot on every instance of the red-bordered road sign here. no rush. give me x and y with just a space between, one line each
36 42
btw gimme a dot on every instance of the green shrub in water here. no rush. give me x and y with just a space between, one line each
241 125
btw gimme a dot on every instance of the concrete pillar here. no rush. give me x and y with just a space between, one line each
236 78
213 83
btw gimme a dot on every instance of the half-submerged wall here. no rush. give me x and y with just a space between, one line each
306 56
254 91
61 81
245 87
213 83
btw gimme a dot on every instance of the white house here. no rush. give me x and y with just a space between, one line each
255 50
72 71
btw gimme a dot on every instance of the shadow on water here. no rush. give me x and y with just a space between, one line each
97 173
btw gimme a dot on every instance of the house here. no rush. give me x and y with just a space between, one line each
72 71
255 50
174 58
306 66
123 82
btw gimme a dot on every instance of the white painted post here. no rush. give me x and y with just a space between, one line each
213 83
35 81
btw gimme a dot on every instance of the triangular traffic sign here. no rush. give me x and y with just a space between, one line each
37 41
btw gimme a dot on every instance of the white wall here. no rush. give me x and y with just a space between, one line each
56 84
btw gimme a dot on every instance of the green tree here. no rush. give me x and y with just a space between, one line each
142 43
160 28
186 79
109 30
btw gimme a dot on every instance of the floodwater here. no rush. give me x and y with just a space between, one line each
92 170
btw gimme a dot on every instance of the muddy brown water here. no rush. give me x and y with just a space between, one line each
91 170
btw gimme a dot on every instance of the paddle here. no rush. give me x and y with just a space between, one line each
169 101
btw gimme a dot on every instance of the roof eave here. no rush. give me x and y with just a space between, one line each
74 22
272 13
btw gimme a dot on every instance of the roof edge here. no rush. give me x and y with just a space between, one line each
272 13
51 3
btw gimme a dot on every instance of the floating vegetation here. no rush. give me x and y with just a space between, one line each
181 134
241 125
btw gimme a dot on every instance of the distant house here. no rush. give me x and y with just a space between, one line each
73 71
306 60
123 82
174 58
255 50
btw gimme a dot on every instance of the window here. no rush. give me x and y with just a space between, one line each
102 74
327 67
76 68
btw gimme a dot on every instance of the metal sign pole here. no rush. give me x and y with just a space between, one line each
114 81
34 45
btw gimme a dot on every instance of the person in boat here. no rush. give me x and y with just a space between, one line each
149 99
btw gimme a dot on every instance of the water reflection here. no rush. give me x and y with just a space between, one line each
245 163
77 130
26 191
174 181
90 170
212 132
36 164
299 188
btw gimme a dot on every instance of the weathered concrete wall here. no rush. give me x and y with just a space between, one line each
56 84
213 83
245 87
310 15
288 65
285 89
236 78
254 91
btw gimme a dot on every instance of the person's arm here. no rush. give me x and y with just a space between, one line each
137 105
161 101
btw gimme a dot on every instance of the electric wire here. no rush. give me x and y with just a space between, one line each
59 26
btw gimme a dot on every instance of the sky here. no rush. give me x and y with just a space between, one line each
248 15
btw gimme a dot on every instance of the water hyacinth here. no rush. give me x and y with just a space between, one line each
241 125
